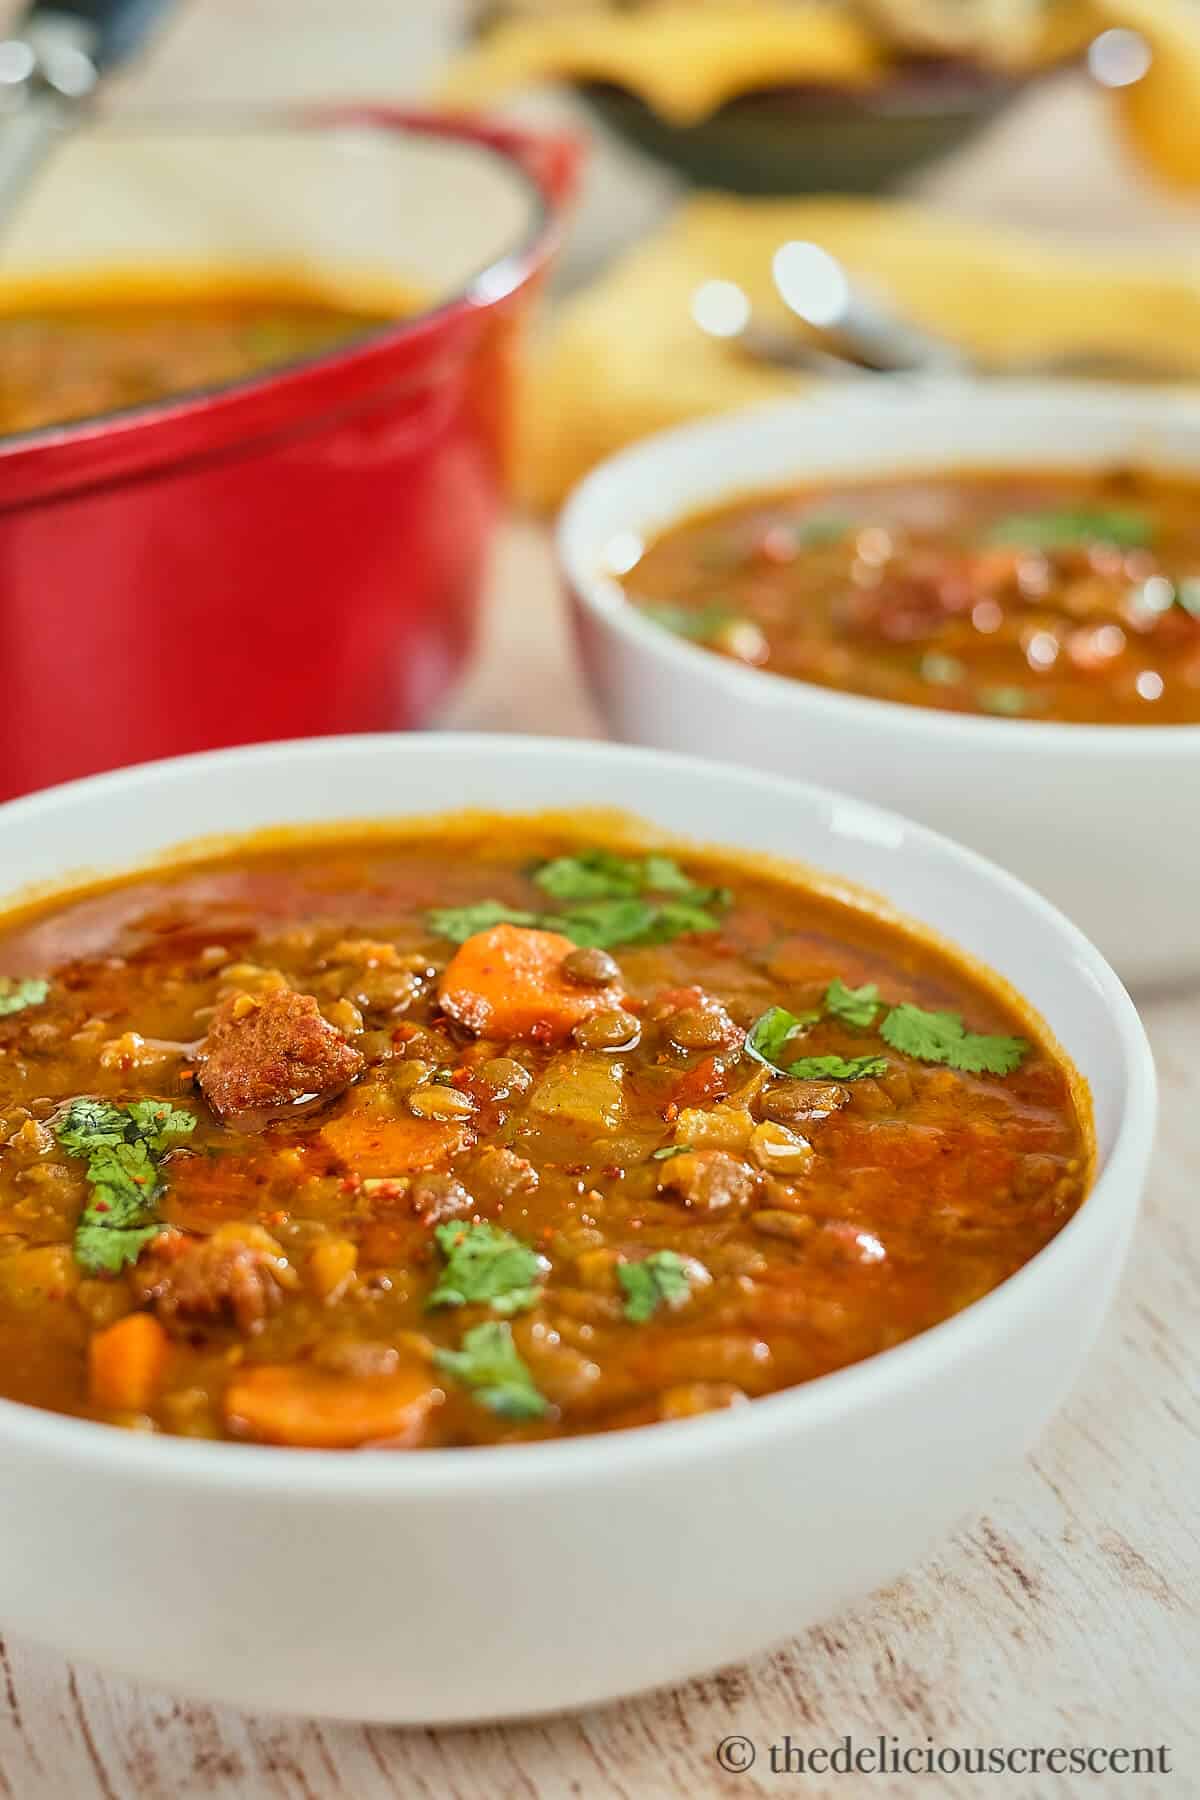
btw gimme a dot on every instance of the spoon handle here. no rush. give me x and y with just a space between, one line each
50 66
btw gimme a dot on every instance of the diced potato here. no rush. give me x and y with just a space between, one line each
714 1128
47 1272
582 1088
331 1268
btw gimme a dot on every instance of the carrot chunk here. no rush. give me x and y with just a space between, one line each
382 1147
508 983
126 1363
318 1410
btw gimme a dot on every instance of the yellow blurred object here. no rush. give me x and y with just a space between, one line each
684 63
1161 110
625 356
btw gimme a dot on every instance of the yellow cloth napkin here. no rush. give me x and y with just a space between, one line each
625 358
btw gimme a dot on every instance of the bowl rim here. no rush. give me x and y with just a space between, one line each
636 467
92 1446
543 164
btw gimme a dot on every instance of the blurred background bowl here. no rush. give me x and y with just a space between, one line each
300 551
1099 818
812 140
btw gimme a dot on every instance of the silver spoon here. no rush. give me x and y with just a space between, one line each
51 64
856 333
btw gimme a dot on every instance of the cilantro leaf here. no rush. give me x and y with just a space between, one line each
853 1006
666 1151
89 1125
489 1364
600 924
660 1279
818 529
837 1068
941 1037
121 1214
590 875
1007 702
123 1146
159 1124
486 1266
1058 529
697 623
103 1248
674 918
458 923
15 996
769 1033
607 902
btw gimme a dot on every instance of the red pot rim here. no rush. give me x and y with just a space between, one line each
201 422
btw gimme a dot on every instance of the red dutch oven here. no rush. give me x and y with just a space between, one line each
297 553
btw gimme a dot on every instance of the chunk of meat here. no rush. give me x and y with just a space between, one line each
509 983
378 1148
500 1175
239 1274
708 1180
318 1410
266 1052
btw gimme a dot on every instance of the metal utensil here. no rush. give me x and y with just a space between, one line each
854 332
50 67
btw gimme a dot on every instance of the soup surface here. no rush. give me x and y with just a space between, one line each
486 1134
1024 595
78 356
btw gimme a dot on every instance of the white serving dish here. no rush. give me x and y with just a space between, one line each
471 1584
1101 819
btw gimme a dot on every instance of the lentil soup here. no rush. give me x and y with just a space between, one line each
1027 594
486 1132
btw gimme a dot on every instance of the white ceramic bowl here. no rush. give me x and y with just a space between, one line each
1101 819
469 1584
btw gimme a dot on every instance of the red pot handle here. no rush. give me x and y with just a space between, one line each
553 160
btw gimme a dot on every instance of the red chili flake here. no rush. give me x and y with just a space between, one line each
100 1206
670 1112
575 1168
613 1172
276 1218
542 1031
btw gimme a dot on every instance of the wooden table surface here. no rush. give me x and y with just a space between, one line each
1069 1612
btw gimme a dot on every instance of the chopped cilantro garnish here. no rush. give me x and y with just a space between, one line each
770 1032
490 1365
769 1035
15 996
665 1151
942 670
1064 530
698 623
660 1279
123 1146
458 923
941 1037
853 1006
599 924
609 902
1187 595
837 1068
1007 702
486 1266
818 529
